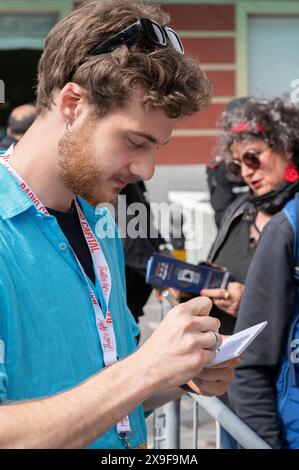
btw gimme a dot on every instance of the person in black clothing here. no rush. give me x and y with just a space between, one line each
137 251
269 295
224 187
261 143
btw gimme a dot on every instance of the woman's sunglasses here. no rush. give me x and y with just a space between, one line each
251 160
154 33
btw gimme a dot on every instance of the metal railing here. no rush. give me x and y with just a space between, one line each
167 425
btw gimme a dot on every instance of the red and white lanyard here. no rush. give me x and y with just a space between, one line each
104 323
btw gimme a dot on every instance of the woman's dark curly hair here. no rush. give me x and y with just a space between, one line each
278 117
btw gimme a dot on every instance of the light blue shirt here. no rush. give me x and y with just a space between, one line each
48 337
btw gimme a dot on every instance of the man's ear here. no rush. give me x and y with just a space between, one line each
70 101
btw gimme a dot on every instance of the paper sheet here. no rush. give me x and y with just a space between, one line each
236 344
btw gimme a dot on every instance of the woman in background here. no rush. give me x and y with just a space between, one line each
260 140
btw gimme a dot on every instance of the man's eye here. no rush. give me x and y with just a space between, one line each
134 145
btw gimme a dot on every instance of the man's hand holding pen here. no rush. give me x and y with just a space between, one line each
214 380
182 346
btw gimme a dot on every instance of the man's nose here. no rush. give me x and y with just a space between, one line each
246 171
144 167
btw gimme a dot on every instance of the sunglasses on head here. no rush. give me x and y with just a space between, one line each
154 33
250 159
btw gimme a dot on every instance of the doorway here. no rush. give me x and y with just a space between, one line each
18 72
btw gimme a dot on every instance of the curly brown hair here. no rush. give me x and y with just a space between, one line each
278 117
170 80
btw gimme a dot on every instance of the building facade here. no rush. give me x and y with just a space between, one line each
244 46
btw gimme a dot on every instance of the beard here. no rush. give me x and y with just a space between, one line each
81 172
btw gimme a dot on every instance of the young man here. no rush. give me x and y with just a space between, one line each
103 113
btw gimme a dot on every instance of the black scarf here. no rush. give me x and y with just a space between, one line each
273 202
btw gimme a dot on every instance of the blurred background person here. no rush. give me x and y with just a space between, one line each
138 250
19 121
254 140
224 187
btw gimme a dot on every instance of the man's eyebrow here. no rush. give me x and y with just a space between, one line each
147 136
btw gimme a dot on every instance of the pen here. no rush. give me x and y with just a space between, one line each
171 299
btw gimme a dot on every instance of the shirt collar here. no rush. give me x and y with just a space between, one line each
13 200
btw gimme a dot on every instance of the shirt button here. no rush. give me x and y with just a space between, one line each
62 246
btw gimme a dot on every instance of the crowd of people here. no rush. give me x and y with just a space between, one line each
111 88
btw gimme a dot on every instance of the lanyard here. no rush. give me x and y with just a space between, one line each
104 323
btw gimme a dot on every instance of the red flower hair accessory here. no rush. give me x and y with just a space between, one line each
291 173
245 126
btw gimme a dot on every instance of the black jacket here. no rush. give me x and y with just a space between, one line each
137 251
269 295
236 209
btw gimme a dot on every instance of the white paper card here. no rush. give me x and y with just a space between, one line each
236 344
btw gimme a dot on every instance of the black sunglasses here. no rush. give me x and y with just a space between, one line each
154 33
251 160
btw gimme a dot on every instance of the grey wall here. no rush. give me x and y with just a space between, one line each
176 178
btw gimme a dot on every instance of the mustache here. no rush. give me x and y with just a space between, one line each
128 179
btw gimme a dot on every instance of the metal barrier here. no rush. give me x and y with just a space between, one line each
167 421
169 432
